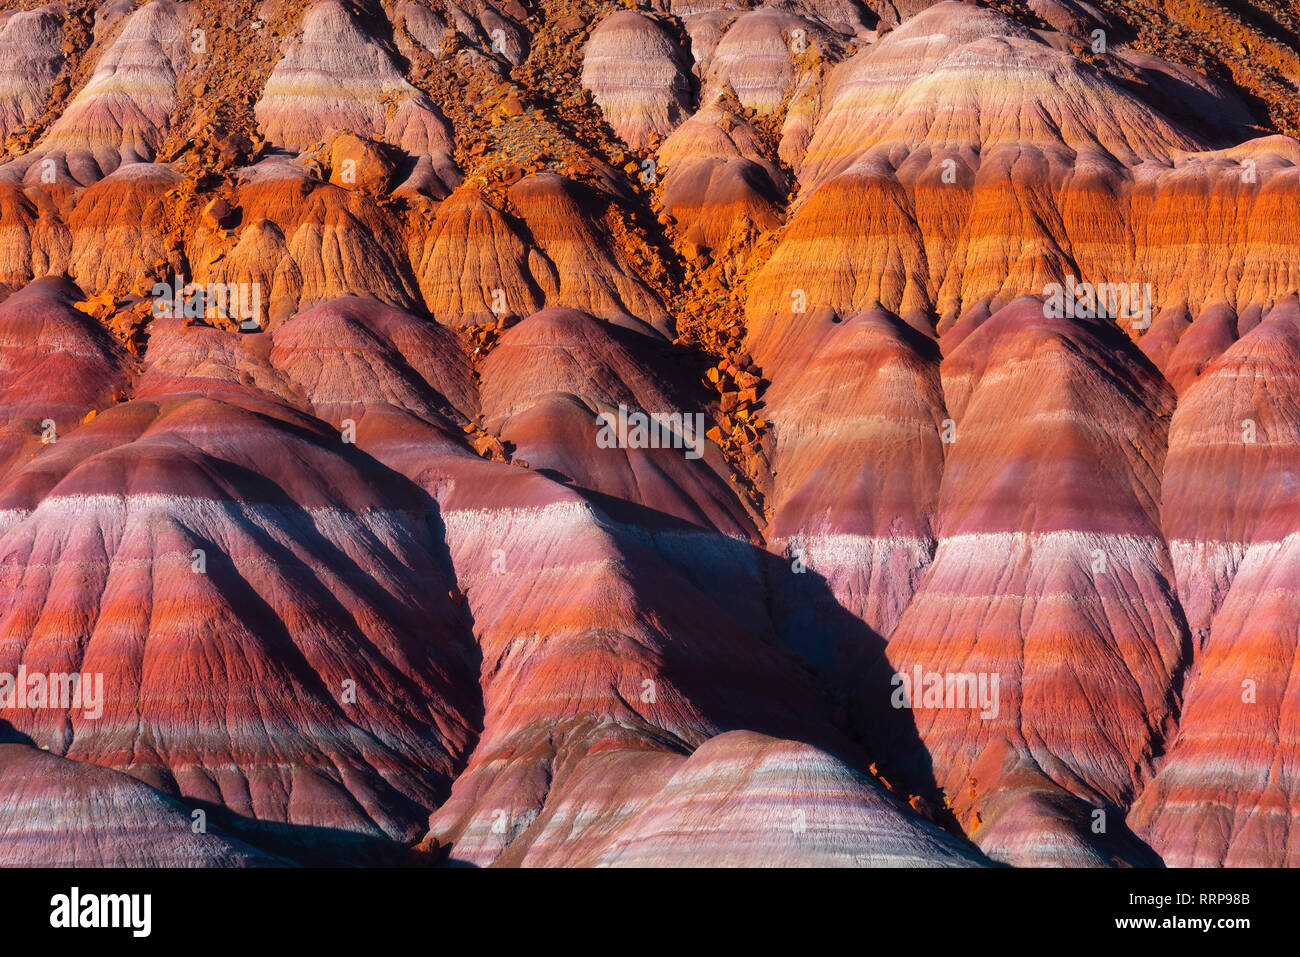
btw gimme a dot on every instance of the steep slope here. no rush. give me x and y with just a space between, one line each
66 814
1224 795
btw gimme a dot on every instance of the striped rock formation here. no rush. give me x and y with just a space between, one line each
590 271
302 242
720 180
197 513
57 366
731 802
67 814
595 675
1053 579
756 57
598 689
336 77
114 236
472 250
975 340
857 467
478 264
541 382
957 199
30 50
1234 558
493 32
122 114
634 69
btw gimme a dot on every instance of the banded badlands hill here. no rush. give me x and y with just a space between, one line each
971 535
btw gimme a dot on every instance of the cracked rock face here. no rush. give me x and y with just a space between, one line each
816 433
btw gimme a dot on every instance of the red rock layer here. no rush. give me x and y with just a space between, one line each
57 365
302 242
598 685
471 251
550 378
719 180
1224 795
589 271
201 551
1051 577
67 814
858 439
